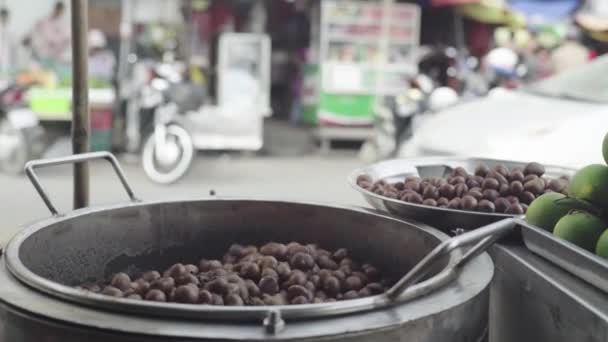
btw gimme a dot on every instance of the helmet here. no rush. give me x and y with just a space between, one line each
502 61
97 39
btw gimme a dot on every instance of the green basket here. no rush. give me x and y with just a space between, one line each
346 109
51 104
310 92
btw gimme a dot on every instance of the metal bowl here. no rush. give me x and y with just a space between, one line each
442 218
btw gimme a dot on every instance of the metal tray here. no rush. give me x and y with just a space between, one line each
441 218
583 264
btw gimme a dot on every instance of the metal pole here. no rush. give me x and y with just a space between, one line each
80 100
128 133
125 41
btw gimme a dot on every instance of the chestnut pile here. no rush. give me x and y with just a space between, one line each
491 190
274 274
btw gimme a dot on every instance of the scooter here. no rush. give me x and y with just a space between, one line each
454 68
168 151
396 117
393 119
182 126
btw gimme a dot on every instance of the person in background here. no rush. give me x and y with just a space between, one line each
7 47
298 33
216 18
50 36
101 60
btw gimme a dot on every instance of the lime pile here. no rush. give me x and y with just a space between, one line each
580 217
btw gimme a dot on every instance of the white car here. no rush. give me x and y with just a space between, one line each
561 121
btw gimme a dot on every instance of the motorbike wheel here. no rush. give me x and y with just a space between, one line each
15 150
168 171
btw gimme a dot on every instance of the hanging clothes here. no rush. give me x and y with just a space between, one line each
479 37
214 20
51 38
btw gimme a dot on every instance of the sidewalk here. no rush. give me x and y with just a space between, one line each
309 177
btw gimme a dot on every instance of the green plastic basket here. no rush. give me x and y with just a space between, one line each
51 104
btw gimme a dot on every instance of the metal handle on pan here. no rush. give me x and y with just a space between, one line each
484 237
77 158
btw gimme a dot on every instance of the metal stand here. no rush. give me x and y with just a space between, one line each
533 300
80 100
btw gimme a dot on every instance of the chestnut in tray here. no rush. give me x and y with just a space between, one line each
273 274
490 190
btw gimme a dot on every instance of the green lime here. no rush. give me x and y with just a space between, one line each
601 248
580 228
546 210
605 148
591 184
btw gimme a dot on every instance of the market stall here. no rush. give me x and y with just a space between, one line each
365 53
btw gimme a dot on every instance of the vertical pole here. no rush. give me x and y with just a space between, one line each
384 44
80 100
384 47
130 118
125 40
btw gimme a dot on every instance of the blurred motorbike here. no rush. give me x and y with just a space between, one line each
168 150
396 117
184 119
450 67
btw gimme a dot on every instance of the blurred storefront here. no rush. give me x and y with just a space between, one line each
316 41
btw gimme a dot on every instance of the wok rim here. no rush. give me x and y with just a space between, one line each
219 313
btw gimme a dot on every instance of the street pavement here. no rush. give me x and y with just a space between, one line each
309 176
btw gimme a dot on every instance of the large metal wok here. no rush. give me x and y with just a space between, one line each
442 297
